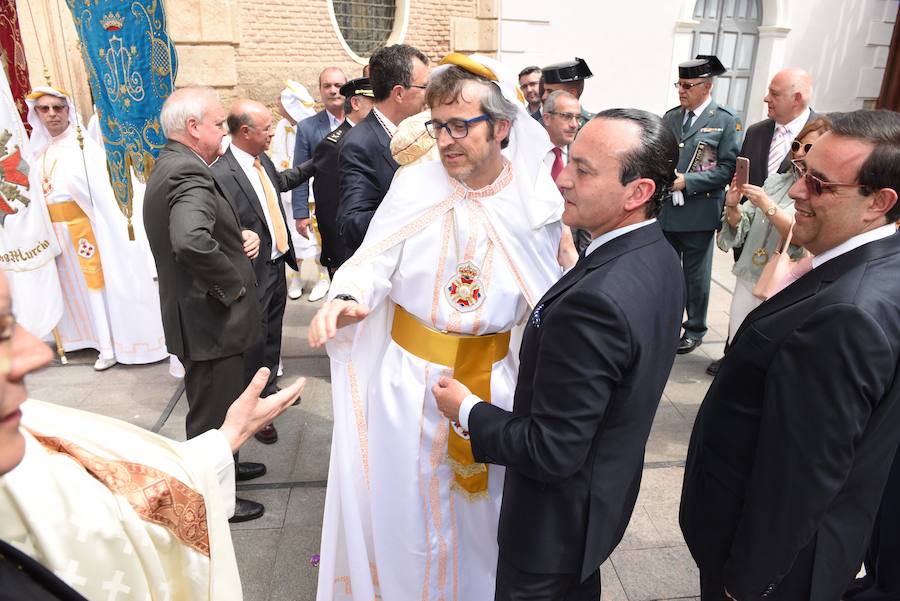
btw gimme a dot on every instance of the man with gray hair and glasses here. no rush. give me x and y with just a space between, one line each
452 263
207 287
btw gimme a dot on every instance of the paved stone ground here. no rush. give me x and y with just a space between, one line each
651 563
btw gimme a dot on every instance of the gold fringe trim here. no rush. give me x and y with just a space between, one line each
481 495
466 471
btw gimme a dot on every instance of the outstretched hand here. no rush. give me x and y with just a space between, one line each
333 315
250 412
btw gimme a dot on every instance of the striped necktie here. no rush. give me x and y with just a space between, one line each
778 149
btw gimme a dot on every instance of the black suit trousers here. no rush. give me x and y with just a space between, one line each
211 387
514 584
272 293
883 554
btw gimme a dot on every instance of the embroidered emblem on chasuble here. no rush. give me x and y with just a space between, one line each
85 248
154 495
465 290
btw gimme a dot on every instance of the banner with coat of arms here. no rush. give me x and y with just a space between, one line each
28 245
12 55
131 66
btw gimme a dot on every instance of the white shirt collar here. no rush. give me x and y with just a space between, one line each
795 125
350 121
855 242
388 124
244 159
604 238
332 120
699 110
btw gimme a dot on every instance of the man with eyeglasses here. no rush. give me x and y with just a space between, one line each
530 84
251 181
108 288
562 112
399 76
708 139
454 259
767 143
793 443
569 76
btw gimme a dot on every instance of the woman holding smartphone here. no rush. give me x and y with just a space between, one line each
759 224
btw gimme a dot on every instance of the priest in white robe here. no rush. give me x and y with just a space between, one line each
111 302
97 505
452 263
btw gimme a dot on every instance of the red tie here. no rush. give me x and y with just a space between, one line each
557 163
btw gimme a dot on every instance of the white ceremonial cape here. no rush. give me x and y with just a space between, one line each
27 243
392 528
119 512
131 294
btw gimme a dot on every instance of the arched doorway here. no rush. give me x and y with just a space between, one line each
730 30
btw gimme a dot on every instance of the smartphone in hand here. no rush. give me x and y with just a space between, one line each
742 171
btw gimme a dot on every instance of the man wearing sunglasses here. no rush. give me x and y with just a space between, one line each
767 142
793 443
708 139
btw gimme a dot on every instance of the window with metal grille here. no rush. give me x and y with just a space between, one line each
365 24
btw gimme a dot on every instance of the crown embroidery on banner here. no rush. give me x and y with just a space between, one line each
112 21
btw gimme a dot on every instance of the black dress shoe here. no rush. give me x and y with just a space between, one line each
246 470
713 368
268 435
246 510
688 344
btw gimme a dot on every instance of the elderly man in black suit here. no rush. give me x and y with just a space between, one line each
250 179
768 143
595 356
794 441
207 287
399 76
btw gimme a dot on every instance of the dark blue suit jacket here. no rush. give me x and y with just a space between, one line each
366 171
595 357
793 443
310 132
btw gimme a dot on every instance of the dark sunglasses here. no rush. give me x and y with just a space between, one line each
795 146
817 186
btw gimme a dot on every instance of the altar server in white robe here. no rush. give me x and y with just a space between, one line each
111 302
453 260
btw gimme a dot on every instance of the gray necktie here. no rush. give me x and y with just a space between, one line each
687 123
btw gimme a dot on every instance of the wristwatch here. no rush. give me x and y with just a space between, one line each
771 210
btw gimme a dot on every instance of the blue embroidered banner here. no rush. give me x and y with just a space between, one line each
131 65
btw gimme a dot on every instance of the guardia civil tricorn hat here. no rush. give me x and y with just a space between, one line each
568 71
361 86
703 65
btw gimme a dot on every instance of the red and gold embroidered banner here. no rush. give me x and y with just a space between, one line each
12 56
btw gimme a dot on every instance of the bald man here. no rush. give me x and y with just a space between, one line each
767 143
249 177
313 130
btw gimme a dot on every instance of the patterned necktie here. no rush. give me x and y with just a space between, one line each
281 241
558 166
778 149
687 123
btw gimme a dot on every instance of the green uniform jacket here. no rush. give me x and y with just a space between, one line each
704 192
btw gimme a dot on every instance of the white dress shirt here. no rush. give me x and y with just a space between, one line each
793 127
387 123
246 161
333 122
466 407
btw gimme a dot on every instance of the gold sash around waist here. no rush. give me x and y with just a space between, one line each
471 358
83 240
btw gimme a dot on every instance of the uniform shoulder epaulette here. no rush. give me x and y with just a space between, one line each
336 135
673 109
727 109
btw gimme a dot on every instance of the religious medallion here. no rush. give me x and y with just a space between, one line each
760 257
464 290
